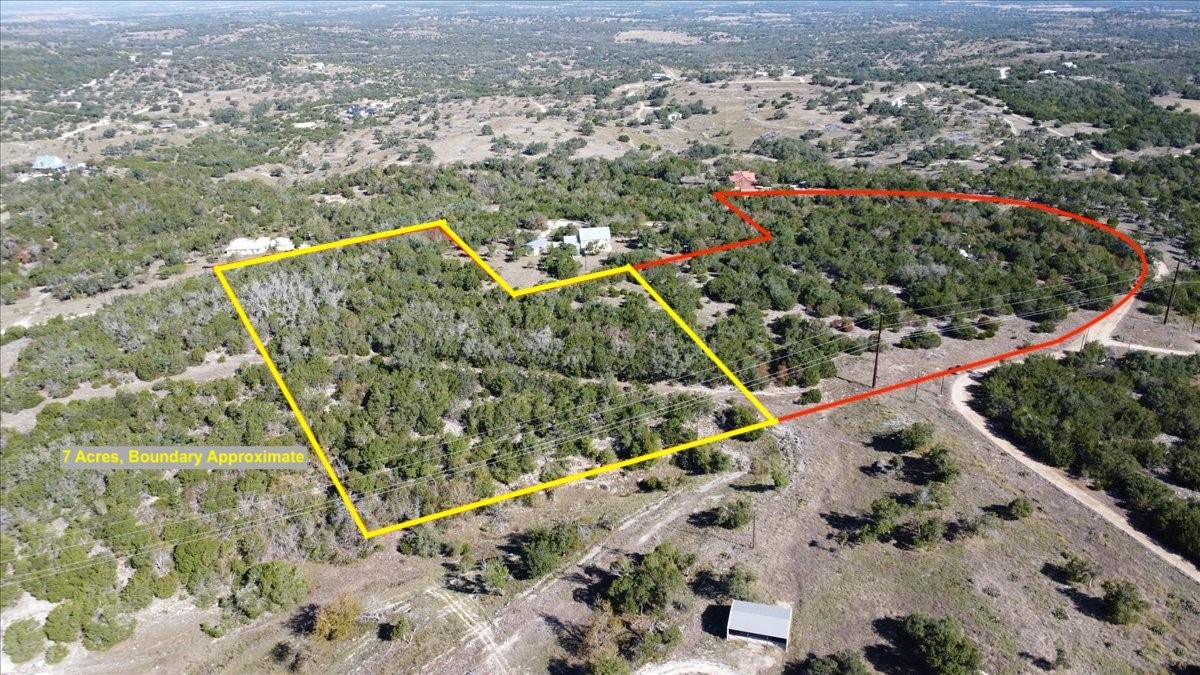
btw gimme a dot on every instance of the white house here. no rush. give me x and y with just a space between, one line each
244 246
591 239
539 245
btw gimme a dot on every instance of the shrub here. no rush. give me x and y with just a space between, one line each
543 548
337 620
1122 603
704 459
23 640
650 583
738 416
1019 508
734 515
915 437
842 663
921 340
941 644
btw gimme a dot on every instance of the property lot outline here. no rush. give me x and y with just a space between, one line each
514 293
633 270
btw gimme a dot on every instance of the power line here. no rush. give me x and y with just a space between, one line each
443 475
595 431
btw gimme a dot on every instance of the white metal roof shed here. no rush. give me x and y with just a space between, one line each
769 623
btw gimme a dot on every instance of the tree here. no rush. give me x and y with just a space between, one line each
495 575
108 626
704 459
737 416
842 663
1079 570
196 562
66 619
1019 508
269 587
1122 603
925 339
651 582
941 644
23 640
943 467
559 262
734 515
738 583
337 620
543 548
928 531
915 437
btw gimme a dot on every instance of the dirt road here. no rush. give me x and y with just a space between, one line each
25 420
39 306
523 621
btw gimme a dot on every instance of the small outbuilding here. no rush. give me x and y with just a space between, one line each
754 621
48 163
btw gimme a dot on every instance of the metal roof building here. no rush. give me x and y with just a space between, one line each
769 623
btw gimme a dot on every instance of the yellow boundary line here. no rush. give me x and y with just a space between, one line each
219 270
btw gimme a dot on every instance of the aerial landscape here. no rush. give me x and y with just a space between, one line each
826 338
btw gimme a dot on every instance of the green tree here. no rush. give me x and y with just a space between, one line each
737 416
915 437
559 262
941 644
942 466
1079 570
270 587
842 663
928 531
495 575
1122 603
542 549
651 582
66 620
108 626
739 583
1019 508
23 640
734 515
197 561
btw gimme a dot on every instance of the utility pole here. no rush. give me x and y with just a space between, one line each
878 344
753 527
1171 297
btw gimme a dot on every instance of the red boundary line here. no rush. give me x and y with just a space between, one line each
723 197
